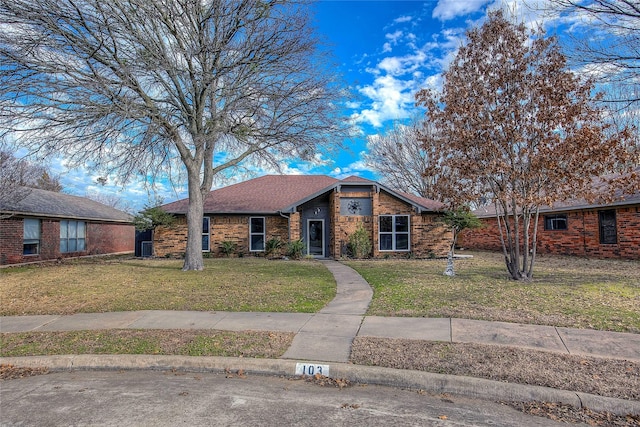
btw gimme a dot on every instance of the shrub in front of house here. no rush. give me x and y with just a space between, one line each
360 243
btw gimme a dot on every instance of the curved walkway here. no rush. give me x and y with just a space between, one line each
326 336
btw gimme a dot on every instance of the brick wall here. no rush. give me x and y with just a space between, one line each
109 238
581 238
343 226
100 239
296 226
11 232
389 205
429 237
172 241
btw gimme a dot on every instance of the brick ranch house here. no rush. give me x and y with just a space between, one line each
320 210
46 226
574 228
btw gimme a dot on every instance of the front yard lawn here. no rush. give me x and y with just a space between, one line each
565 291
117 284
257 344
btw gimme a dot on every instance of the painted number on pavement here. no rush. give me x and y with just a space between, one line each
311 369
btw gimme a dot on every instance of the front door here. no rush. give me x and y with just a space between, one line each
315 237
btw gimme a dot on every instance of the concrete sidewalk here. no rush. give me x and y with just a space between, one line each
318 335
326 336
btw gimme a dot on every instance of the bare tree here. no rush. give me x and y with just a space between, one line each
11 188
402 155
136 87
17 175
612 49
113 200
517 124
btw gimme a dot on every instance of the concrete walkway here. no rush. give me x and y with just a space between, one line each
326 336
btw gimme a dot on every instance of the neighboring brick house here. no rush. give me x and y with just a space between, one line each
46 225
573 228
320 210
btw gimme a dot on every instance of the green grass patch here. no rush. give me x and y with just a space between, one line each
565 291
103 285
134 341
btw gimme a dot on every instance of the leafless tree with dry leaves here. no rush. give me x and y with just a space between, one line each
18 176
401 158
611 52
151 87
517 124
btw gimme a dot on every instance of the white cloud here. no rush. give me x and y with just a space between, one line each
394 37
392 65
353 105
391 99
403 19
355 168
449 9
396 80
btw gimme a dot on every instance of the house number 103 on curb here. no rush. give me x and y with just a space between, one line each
311 369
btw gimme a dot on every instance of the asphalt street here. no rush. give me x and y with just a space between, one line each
152 398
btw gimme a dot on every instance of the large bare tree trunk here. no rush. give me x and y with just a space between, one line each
193 254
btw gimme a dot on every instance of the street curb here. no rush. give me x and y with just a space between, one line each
429 382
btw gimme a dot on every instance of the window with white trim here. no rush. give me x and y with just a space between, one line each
393 232
72 236
31 237
206 234
257 230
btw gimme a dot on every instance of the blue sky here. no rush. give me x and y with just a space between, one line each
386 50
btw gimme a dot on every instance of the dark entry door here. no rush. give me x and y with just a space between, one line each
315 237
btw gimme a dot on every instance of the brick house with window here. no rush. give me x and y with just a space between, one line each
576 228
320 210
46 225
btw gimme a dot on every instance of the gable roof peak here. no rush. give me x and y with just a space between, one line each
356 178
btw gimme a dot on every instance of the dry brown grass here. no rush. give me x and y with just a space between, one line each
129 341
116 284
565 291
613 378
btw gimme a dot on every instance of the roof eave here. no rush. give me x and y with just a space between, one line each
582 207
73 217
420 208
292 208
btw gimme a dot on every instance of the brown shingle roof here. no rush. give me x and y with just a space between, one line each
267 194
356 179
279 193
44 203
427 203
